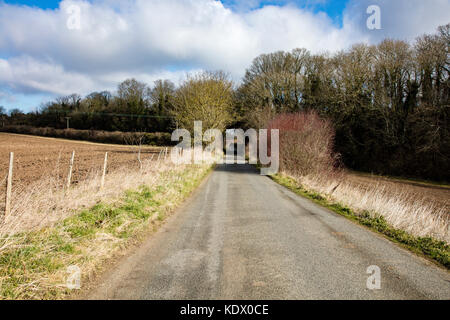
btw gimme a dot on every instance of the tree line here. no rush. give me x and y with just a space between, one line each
134 107
389 103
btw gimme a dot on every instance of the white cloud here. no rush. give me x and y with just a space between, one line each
150 39
28 75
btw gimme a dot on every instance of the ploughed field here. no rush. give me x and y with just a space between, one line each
38 158
438 195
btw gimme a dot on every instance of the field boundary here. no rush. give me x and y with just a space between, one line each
410 181
100 136
82 141
434 250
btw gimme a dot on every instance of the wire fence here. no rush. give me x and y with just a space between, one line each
22 191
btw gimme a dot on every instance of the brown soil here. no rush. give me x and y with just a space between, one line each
37 157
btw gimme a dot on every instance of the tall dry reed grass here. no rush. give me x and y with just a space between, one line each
401 206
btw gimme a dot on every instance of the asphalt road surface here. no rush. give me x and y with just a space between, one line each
242 236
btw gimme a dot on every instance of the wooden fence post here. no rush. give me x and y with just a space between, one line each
69 177
159 155
104 171
139 159
9 186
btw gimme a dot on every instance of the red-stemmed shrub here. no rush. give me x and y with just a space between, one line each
306 143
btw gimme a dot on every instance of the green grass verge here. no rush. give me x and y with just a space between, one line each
428 247
34 264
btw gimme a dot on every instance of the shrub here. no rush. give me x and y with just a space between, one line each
306 143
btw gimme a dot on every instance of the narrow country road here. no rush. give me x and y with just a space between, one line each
242 236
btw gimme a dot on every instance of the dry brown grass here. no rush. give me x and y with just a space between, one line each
44 202
401 205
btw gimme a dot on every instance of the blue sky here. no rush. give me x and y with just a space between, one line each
44 4
42 58
333 7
